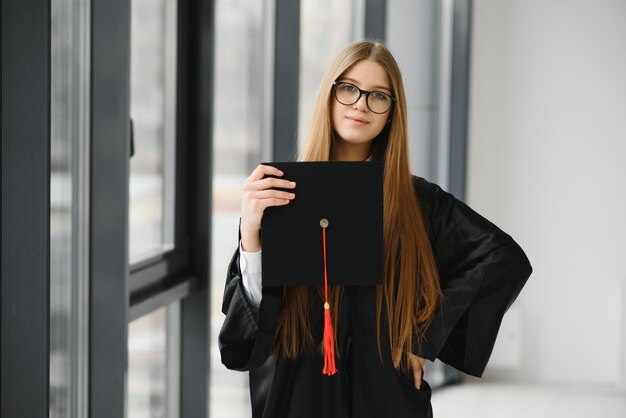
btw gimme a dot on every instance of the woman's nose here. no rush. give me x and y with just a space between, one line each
361 104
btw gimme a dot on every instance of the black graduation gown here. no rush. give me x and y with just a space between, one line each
482 270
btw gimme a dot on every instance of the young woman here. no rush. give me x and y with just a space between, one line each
449 274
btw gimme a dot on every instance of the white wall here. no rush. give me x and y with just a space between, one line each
547 162
622 384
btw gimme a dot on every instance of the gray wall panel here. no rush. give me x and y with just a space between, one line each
25 208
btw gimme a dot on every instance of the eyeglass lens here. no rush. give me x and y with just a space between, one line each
348 94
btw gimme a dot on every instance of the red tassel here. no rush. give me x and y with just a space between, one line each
329 339
329 343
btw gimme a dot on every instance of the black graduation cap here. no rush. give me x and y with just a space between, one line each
348 195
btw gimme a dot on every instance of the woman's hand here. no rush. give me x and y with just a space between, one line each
258 194
416 364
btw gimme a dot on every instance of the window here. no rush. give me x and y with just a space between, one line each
69 207
326 27
153 337
153 358
237 148
147 363
153 114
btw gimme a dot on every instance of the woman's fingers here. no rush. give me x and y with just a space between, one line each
271 193
259 200
259 205
268 183
266 203
418 366
396 358
264 170
259 193
417 377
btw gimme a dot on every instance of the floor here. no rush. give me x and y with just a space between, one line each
480 398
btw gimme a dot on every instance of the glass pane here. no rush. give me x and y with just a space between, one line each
147 362
326 27
69 214
153 80
237 143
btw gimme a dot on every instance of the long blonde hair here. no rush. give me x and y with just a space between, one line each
412 300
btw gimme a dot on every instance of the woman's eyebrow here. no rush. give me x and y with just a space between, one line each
373 88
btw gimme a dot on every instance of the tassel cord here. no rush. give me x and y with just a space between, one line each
329 343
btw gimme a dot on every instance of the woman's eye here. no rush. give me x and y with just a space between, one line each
349 88
380 96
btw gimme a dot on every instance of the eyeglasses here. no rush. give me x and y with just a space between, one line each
348 94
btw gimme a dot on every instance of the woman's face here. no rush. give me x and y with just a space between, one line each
356 125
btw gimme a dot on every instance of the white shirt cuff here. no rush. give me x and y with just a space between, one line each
251 274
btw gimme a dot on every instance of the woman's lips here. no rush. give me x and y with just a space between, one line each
356 120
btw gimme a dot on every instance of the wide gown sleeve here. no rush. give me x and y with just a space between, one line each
482 270
247 334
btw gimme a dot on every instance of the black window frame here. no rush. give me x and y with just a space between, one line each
120 292
150 278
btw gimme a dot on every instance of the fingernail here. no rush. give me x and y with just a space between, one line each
292 195
293 183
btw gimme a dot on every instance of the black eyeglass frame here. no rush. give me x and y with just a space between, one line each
361 93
